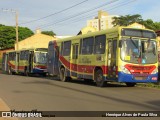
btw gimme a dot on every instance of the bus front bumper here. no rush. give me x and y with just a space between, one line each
123 77
36 70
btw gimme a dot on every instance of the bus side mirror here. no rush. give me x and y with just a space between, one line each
120 44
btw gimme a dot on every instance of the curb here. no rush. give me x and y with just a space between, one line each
4 107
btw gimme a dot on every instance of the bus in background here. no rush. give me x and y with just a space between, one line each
26 61
120 54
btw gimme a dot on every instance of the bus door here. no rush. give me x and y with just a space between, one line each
31 56
74 60
17 62
66 56
56 61
112 51
14 60
5 62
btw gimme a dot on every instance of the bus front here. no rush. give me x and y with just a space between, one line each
138 61
40 61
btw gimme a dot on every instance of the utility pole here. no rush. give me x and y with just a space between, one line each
16 18
17 46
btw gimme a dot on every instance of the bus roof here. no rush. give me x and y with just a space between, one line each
111 30
30 49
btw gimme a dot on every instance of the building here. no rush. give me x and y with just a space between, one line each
86 30
2 51
102 22
38 40
137 25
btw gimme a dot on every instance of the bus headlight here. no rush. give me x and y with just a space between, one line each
125 70
154 71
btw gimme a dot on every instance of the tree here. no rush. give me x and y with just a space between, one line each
151 25
24 33
8 35
126 20
129 19
50 33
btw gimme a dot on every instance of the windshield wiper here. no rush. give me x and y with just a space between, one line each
133 42
148 44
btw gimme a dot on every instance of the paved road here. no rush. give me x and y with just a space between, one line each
28 93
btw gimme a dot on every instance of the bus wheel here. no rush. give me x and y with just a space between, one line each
130 84
99 78
63 78
44 74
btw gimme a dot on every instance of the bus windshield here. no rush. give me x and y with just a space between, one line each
138 51
40 58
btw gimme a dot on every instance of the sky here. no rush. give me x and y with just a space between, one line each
64 19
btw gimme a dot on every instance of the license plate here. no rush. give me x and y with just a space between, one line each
140 78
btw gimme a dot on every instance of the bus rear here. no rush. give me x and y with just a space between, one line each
137 60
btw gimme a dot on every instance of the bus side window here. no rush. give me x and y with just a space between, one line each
100 44
87 46
75 52
80 48
114 48
66 48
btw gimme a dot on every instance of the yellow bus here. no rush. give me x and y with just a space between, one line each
26 61
120 54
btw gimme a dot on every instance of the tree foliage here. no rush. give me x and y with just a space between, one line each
50 33
130 19
8 35
126 20
151 25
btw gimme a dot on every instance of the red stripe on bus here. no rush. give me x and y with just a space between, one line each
13 66
135 69
81 68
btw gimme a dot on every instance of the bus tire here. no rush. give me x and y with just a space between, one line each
130 84
63 78
44 74
99 78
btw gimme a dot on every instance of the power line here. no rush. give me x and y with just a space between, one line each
88 15
116 6
78 14
55 12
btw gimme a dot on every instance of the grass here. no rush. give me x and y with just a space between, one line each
150 85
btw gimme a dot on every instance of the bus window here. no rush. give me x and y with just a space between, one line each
114 48
75 52
138 51
87 46
12 56
40 57
80 48
66 48
24 55
100 44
